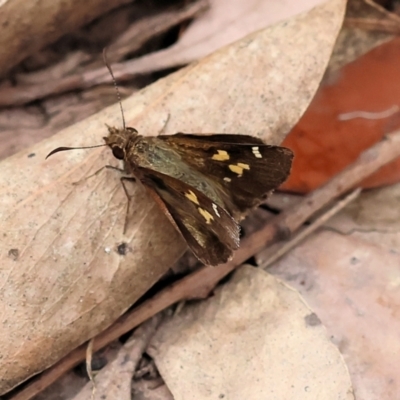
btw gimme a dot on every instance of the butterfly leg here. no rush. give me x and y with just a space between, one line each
165 124
124 179
97 172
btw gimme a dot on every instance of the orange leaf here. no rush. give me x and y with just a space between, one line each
324 143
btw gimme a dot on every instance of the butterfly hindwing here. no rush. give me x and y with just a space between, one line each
245 168
211 233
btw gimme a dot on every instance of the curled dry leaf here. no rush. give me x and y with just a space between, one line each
254 339
65 281
43 20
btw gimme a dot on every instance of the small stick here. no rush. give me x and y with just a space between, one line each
369 24
199 283
389 14
114 380
287 246
141 32
89 370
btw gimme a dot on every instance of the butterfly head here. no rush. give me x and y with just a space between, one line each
119 140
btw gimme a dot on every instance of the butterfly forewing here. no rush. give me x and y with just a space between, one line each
243 167
211 233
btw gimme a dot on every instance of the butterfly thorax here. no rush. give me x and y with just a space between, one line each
121 141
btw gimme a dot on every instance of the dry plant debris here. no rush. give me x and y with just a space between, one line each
77 277
353 288
250 341
354 112
346 271
45 22
201 282
114 380
132 26
373 16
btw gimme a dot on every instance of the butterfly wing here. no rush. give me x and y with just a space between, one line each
210 232
245 168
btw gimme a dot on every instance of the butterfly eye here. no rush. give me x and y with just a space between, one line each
131 130
118 153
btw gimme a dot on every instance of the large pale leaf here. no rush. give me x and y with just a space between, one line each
254 339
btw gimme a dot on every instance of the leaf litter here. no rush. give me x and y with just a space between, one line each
346 266
250 340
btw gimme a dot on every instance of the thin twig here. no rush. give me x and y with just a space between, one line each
373 24
199 283
133 38
295 240
390 15
89 370
22 94
114 380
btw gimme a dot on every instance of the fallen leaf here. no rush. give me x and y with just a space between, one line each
374 217
68 282
353 287
254 339
353 42
350 112
223 23
44 21
114 381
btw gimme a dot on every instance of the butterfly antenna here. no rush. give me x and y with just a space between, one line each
58 149
115 85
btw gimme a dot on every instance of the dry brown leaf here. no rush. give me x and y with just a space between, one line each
69 384
62 280
254 339
352 41
64 389
23 127
353 286
144 29
374 217
228 20
224 22
114 381
26 29
151 390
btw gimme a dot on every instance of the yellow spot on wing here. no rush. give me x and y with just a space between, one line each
207 216
238 168
221 155
244 166
192 197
